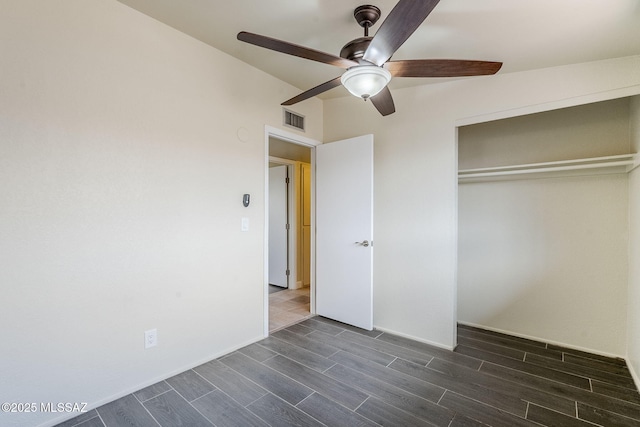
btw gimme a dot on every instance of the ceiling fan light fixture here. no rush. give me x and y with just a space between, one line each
365 81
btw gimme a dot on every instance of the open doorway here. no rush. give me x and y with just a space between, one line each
289 242
341 227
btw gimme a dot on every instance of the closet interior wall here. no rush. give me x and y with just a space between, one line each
546 256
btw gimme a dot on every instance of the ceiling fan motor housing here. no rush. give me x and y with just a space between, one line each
366 16
355 49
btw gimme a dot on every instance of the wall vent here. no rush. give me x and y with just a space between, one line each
293 120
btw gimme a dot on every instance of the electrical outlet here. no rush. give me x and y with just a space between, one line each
150 338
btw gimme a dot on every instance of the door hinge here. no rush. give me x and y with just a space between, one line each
286 180
288 272
287 226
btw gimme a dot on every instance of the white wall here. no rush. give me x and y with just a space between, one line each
546 258
592 130
633 323
416 176
125 148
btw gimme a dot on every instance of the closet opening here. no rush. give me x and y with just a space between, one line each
543 206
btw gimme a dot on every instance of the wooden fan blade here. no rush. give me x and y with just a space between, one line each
383 102
441 68
401 22
314 91
295 50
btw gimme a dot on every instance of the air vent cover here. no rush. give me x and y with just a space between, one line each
293 120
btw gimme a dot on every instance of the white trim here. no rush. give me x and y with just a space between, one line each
454 288
549 106
140 386
413 338
636 163
270 131
634 374
289 136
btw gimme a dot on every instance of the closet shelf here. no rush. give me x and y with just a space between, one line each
622 163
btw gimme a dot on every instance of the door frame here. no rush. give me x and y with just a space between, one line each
273 132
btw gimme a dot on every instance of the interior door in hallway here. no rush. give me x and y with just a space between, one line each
278 220
304 271
344 231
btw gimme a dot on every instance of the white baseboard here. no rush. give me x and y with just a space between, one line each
411 337
129 390
634 374
544 340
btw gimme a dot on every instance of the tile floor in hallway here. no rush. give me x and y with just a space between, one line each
287 307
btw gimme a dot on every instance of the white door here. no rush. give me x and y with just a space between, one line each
344 231
278 226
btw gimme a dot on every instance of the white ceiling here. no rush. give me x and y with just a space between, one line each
523 34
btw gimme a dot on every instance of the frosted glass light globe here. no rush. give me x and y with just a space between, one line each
365 81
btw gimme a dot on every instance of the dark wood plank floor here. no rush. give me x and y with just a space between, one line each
320 372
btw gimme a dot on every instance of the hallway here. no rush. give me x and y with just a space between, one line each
287 307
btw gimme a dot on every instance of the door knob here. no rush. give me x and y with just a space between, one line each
364 243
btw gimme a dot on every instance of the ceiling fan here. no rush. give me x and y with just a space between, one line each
367 59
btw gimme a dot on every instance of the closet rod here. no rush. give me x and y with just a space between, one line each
464 175
559 162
